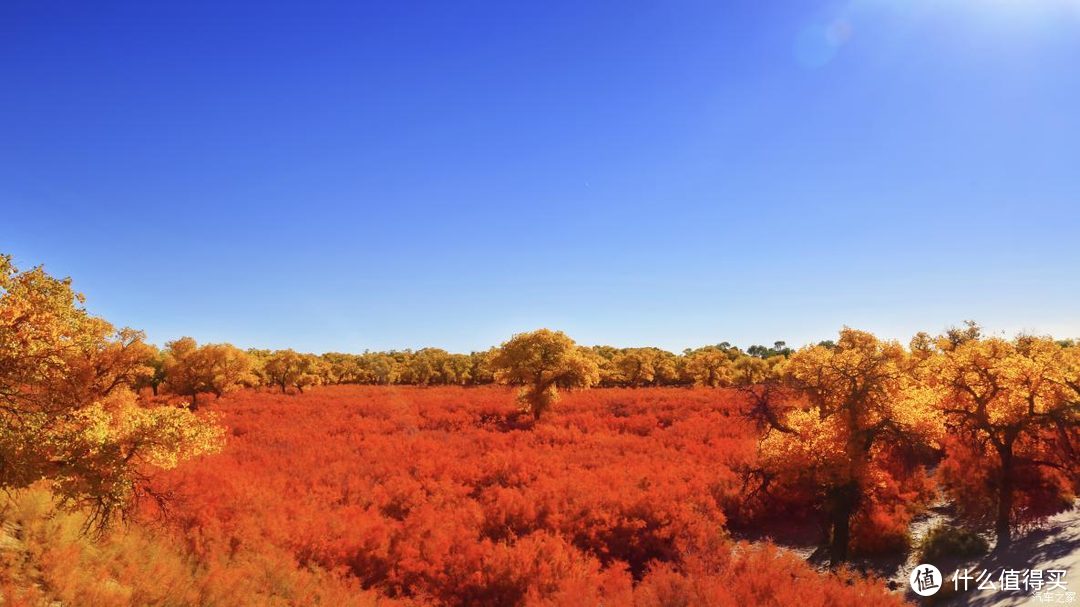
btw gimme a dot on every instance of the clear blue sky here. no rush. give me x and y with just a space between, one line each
344 176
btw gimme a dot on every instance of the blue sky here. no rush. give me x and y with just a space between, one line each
350 176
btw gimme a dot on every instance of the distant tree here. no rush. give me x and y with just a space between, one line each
480 371
763 382
634 367
287 368
710 366
604 357
191 369
957 336
778 348
67 412
379 368
542 362
230 368
638 367
457 369
665 367
154 377
186 372
427 366
341 368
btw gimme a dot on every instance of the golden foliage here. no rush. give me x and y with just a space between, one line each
544 361
67 414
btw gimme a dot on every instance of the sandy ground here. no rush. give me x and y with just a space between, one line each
1053 545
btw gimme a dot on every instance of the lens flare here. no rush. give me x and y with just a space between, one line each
817 45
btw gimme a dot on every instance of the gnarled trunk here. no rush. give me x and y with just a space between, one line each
1003 523
843 502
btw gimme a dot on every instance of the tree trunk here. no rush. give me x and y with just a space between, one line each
194 401
283 387
1002 526
844 500
153 387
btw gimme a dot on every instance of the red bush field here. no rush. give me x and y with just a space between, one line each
450 496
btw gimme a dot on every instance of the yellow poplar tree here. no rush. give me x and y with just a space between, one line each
854 400
542 362
191 369
286 368
1014 403
67 414
710 366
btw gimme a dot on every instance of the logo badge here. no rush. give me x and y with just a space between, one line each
925 580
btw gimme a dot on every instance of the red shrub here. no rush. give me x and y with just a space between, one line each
447 496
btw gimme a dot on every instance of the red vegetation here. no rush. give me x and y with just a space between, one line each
449 496
972 472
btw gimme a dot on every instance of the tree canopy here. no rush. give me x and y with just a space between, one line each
542 362
859 400
67 413
1014 410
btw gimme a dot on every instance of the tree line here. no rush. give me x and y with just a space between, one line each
184 367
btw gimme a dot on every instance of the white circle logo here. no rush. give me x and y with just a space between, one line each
925 580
